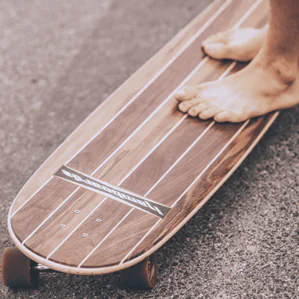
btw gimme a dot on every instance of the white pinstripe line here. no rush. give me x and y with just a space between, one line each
114 228
188 188
248 13
140 241
198 33
25 202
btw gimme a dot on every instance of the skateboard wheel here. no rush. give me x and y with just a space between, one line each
141 276
17 270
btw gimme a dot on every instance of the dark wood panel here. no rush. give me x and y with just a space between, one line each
165 156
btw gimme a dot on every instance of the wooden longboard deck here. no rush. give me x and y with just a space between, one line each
137 169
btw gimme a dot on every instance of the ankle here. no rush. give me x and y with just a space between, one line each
283 69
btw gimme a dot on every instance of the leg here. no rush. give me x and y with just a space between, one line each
268 83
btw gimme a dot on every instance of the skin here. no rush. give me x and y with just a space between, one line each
270 82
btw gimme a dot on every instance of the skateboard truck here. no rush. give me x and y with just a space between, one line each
41 268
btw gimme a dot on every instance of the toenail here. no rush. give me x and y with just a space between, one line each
183 108
213 47
181 92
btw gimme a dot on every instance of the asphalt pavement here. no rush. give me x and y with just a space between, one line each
58 61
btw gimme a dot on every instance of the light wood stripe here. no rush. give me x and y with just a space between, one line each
32 196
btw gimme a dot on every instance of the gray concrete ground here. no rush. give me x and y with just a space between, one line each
58 61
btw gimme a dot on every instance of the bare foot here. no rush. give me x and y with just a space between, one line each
240 44
255 90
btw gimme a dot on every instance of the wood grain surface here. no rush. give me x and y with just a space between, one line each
137 140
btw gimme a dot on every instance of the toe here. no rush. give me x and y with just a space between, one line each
221 38
193 111
196 109
208 113
224 116
217 50
186 93
230 116
186 105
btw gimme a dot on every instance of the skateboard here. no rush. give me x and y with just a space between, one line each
136 170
